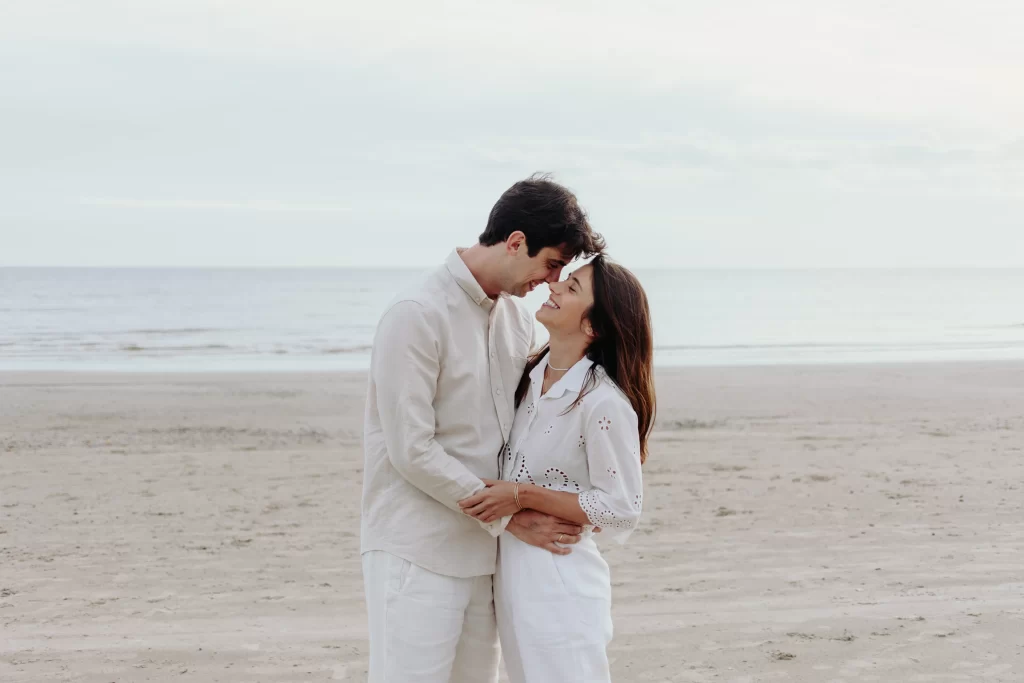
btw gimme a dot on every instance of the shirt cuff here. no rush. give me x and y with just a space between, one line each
496 527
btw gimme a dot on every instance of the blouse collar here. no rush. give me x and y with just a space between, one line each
570 381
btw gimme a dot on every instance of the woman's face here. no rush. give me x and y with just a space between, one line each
564 313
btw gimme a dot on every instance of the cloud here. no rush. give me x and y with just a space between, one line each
781 129
947 63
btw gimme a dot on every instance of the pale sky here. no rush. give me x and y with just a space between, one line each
339 133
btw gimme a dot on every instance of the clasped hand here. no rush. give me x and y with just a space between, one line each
497 500
493 502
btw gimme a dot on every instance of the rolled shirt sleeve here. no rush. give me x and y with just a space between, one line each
615 500
405 366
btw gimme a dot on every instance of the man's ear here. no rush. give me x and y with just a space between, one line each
515 242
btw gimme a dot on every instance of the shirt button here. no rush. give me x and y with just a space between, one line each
498 392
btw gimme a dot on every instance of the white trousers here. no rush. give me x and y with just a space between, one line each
554 612
428 628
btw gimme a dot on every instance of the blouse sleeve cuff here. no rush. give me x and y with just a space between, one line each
617 526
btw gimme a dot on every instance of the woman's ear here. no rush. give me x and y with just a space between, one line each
587 328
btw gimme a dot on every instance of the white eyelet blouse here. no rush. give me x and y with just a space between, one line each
592 450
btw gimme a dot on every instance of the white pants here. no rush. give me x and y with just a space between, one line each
554 612
428 628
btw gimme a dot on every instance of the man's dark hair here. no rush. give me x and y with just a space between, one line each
547 213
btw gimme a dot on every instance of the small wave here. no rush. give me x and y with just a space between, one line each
1004 326
853 346
38 309
742 347
202 347
176 330
347 349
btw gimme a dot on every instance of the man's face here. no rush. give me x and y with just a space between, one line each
525 273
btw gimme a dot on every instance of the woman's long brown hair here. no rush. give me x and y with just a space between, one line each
623 344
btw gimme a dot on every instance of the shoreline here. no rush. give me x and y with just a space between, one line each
122 377
245 373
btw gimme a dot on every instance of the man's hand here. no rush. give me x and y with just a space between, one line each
544 531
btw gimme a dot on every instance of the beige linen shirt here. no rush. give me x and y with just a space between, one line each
445 365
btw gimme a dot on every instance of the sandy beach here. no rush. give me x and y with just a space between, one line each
820 524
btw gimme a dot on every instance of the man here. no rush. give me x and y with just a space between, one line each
447 358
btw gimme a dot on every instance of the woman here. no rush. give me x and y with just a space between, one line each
585 408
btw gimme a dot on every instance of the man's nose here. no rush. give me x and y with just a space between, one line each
554 275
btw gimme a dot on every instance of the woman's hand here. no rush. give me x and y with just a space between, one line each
494 502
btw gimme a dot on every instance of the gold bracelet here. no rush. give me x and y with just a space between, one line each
515 494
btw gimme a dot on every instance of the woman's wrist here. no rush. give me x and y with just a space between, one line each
528 495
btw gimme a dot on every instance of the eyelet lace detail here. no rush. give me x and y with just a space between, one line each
557 479
599 514
554 477
523 472
604 424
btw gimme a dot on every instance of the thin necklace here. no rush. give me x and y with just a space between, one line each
559 369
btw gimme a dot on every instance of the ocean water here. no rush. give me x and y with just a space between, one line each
324 319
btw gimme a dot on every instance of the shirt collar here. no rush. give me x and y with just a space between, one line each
570 381
461 274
